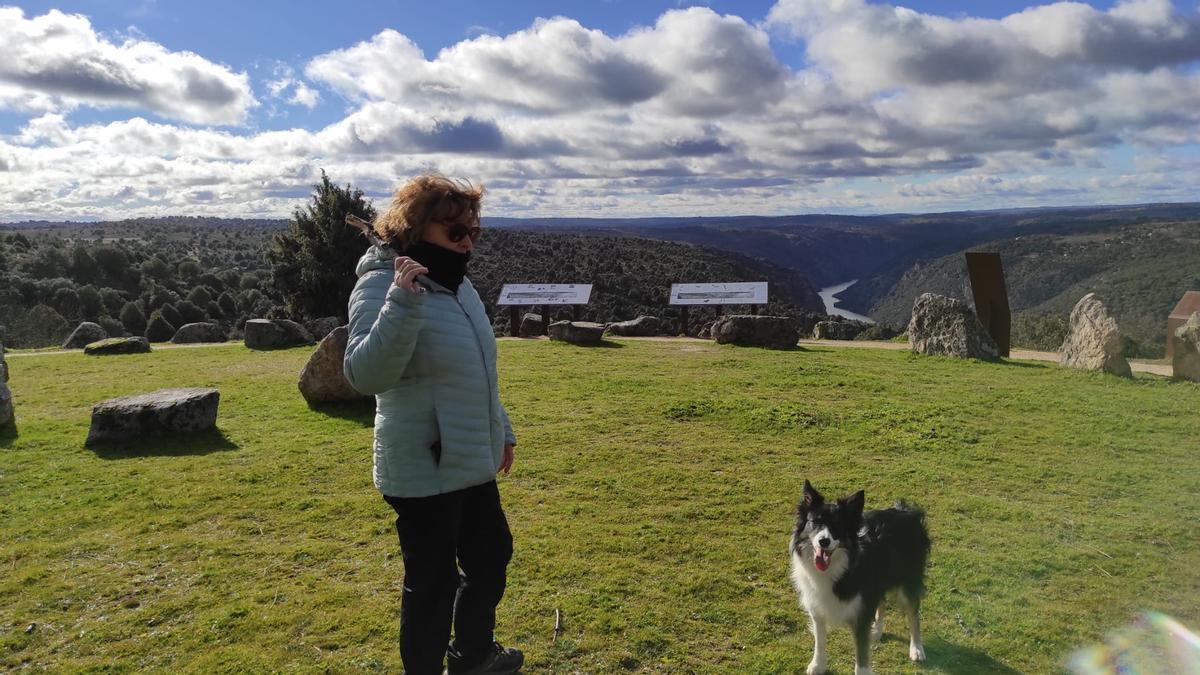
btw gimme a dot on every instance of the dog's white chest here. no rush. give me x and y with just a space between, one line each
816 590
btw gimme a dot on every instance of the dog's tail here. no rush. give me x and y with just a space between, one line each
918 515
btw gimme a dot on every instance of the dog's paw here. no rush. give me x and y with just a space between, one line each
859 670
815 668
916 653
877 632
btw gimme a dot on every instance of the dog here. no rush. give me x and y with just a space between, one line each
845 561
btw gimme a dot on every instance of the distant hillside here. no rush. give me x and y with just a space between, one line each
53 275
630 276
830 249
1139 271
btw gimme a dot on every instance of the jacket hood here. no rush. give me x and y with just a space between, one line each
375 258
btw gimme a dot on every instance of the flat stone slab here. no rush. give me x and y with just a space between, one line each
577 332
643 326
119 345
164 411
752 330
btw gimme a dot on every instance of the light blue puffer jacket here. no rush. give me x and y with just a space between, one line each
430 360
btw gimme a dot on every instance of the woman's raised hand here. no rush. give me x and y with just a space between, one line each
407 270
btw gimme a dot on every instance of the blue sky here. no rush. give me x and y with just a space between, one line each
599 108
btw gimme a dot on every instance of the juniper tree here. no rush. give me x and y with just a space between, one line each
312 263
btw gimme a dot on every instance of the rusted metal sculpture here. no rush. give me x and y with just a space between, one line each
991 297
1188 304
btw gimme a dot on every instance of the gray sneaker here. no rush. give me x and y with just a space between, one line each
500 661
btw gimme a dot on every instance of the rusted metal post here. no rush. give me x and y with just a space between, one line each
1188 304
545 319
991 297
683 320
514 320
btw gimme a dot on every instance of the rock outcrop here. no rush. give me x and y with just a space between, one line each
322 380
942 326
83 335
1093 339
203 331
266 334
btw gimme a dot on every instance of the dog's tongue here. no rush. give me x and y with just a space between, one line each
821 560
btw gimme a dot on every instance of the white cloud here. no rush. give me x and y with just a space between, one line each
692 115
57 61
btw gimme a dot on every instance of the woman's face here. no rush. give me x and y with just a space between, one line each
440 235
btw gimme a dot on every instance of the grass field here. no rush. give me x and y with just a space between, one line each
651 504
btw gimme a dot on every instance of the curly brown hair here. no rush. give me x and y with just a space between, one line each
431 198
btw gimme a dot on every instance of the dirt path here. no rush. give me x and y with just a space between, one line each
1163 369
155 347
1159 368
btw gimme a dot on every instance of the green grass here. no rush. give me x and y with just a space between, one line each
651 503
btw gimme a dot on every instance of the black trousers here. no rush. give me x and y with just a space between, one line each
456 547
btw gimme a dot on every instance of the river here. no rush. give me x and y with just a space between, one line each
829 297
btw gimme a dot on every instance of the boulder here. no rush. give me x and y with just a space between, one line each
751 330
806 322
7 415
121 345
643 326
577 332
1093 339
84 334
531 325
202 331
836 330
163 411
6 404
877 332
321 327
322 379
943 326
267 334
1185 353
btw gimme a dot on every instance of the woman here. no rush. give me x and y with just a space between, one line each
422 343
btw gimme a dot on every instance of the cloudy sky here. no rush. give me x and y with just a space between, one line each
602 108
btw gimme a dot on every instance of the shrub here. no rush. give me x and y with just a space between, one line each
159 329
133 319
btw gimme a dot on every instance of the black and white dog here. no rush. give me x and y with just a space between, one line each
843 563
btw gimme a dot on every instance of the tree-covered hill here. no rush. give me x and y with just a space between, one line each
630 276
121 274
1139 271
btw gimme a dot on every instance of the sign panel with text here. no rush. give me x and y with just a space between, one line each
742 293
545 294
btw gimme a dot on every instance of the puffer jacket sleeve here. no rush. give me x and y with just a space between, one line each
509 436
384 323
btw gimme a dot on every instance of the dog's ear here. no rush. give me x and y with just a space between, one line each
854 504
811 499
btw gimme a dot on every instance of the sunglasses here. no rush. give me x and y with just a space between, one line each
457 231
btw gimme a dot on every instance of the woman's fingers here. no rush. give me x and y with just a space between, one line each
407 270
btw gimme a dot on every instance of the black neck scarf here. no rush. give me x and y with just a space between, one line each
446 267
